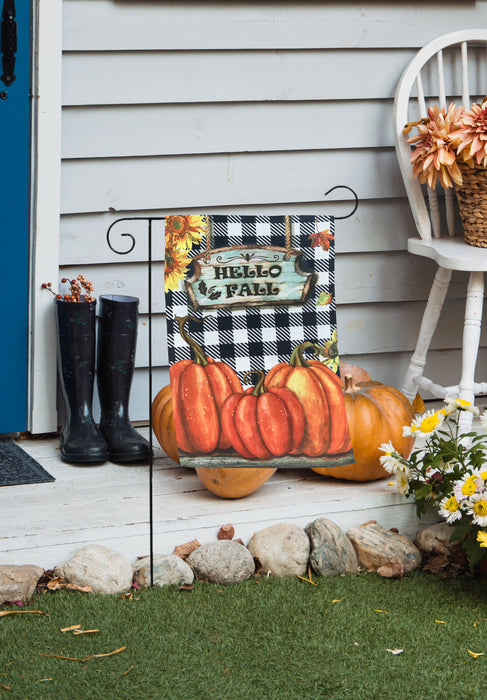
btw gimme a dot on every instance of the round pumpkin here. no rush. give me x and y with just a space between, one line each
163 423
234 482
199 389
359 374
319 391
376 414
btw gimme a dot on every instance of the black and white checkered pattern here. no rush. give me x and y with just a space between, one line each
258 337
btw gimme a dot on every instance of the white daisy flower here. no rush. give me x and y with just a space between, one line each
391 460
477 507
466 487
462 405
425 425
449 508
402 482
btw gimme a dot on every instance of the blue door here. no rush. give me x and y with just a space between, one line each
14 211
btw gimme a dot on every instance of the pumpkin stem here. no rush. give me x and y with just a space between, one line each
259 387
199 355
349 385
297 359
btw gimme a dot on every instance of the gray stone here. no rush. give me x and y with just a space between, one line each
282 549
168 569
105 570
222 562
18 582
331 551
435 539
376 547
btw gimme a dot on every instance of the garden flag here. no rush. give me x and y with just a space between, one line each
250 308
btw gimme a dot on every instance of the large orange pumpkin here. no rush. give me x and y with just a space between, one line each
376 414
163 423
319 391
199 389
234 483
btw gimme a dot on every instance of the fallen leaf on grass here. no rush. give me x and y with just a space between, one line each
475 654
336 600
396 651
303 578
186 587
123 674
84 631
381 611
441 622
394 570
22 612
5 687
85 658
73 627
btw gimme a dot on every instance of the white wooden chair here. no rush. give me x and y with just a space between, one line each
453 68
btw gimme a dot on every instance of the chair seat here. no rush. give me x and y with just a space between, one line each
451 253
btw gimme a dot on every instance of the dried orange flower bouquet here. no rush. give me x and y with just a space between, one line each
446 141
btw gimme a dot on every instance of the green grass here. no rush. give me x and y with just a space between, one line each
265 638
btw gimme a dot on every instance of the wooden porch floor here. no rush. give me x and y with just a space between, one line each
43 524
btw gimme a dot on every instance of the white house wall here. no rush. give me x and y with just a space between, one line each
188 107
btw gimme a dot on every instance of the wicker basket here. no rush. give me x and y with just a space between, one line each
472 204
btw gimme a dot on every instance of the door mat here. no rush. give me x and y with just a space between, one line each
18 467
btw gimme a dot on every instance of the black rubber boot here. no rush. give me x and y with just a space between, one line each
117 336
81 441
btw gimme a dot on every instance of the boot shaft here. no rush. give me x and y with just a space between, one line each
76 324
117 338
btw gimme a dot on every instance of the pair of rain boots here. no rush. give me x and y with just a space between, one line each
82 442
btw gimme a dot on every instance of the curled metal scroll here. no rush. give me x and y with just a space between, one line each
130 236
346 187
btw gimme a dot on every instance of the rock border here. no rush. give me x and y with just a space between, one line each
284 549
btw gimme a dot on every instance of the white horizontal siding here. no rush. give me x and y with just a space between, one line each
127 26
187 107
179 129
148 77
96 185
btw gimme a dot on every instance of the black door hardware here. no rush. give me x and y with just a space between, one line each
8 42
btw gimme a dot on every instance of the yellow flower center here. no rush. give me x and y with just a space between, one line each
451 504
469 487
463 402
480 508
484 475
430 423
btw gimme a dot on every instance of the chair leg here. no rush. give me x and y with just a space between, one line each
470 347
428 325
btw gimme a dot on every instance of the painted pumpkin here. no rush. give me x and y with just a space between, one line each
199 389
163 423
376 414
358 373
319 391
263 423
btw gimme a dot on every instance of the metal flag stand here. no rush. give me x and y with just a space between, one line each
128 249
